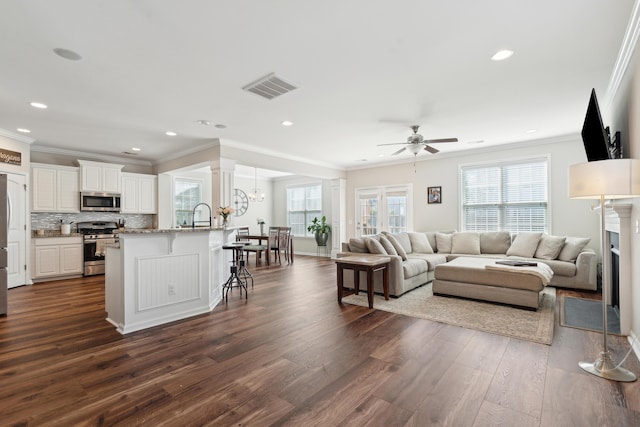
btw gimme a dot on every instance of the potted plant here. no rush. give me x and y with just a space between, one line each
320 230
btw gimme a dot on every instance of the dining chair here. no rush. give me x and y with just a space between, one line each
243 236
274 242
285 243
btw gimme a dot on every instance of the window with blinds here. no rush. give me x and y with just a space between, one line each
303 204
188 193
505 197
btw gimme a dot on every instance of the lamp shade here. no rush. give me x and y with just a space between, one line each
613 179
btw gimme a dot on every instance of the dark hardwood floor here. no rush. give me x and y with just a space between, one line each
291 355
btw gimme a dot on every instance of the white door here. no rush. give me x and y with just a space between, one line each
383 209
17 235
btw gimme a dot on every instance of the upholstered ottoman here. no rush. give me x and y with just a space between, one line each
483 279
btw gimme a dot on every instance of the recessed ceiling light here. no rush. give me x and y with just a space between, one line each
38 105
135 149
287 123
23 130
169 133
380 155
67 54
221 126
502 55
204 122
532 130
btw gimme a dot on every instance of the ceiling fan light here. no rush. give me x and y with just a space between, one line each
415 148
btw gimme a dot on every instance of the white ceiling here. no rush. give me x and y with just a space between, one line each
365 71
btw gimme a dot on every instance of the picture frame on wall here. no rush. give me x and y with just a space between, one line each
434 195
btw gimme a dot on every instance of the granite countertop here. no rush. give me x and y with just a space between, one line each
171 230
52 233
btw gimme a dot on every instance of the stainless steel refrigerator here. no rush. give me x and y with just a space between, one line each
5 211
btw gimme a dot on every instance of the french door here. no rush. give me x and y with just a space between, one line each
383 209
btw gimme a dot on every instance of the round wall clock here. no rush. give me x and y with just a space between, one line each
241 202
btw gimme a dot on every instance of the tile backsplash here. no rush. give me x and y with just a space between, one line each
51 220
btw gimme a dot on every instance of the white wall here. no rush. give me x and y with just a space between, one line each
567 217
255 210
302 245
623 114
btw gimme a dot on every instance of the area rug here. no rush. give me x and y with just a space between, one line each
536 326
586 314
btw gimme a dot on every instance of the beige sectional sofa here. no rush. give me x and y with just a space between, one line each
415 255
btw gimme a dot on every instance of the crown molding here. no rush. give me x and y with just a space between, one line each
89 156
16 136
572 137
625 54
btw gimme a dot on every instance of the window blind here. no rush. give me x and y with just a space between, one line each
505 197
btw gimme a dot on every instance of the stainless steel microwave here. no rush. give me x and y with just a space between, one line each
99 202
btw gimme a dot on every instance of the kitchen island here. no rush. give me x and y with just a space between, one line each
155 277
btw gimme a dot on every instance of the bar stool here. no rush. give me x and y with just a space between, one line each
234 280
242 263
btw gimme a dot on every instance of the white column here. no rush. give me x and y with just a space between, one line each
222 184
338 214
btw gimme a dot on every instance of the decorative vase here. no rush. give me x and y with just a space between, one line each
321 238
225 222
262 229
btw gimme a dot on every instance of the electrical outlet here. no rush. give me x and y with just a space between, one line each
172 289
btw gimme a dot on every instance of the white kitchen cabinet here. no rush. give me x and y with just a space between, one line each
139 193
57 257
100 177
54 188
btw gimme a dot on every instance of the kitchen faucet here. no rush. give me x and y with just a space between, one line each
193 215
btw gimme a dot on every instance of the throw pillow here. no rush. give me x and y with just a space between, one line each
376 247
358 245
549 247
465 243
443 243
386 244
572 248
524 245
495 242
420 243
398 247
403 239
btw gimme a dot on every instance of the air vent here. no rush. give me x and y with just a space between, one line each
269 86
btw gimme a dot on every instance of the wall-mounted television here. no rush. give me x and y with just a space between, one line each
594 135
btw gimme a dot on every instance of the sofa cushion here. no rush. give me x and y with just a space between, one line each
572 248
431 259
386 244
465 243
549 247
443 243
525 245
358 245
495 242
375 247
398 247
413 267
420 243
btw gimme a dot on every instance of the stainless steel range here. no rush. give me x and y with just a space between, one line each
96 236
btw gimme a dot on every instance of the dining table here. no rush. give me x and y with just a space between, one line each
261 237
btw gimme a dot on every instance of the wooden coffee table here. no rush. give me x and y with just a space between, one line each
367 264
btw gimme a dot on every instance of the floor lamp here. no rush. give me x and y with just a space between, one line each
604 180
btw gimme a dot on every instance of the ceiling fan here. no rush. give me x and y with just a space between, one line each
416 143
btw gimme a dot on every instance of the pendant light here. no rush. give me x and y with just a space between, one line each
256 195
